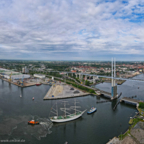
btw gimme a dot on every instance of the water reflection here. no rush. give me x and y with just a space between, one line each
21 92
10 86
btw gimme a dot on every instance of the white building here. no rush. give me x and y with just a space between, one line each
39 76
25 70
16 77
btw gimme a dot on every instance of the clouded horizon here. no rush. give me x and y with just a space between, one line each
72 29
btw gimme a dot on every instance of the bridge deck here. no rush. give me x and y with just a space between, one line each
130 100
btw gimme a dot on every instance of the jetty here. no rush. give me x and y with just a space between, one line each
103 101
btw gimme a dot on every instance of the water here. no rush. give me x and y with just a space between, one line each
97 128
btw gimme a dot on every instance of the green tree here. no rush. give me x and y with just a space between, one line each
87 83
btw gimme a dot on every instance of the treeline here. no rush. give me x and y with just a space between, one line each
54 74
82 88
141 105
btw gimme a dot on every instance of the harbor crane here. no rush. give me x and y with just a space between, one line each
21 82
10 79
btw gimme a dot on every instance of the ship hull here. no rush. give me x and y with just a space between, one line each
38 84
90 112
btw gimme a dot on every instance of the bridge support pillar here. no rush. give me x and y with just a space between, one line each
80 76
114 92
93 79
85 77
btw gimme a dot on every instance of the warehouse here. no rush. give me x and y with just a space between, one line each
39 76
16 77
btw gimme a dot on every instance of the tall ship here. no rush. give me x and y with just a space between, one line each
67 116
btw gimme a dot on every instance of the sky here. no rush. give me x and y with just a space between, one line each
72 29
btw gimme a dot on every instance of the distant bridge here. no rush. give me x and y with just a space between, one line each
95 75
113 77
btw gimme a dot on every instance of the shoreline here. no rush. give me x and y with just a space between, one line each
28 85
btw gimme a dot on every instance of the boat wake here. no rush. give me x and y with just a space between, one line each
17 127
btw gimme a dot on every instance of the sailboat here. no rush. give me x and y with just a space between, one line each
67 116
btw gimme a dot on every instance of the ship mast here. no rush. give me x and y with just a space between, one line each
57 109
75 107
65 108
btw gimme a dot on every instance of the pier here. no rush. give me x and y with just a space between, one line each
103 101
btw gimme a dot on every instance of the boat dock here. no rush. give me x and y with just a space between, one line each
130 100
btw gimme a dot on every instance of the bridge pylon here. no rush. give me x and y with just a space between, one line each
113 74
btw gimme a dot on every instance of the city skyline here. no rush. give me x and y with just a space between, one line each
72 30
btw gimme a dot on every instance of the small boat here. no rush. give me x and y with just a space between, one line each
33 122
20 95
33 98
38 84
92 110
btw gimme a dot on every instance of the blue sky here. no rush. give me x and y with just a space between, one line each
72 29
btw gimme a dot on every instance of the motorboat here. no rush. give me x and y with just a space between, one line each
33 122
92 110
38 84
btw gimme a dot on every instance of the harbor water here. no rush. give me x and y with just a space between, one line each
99 127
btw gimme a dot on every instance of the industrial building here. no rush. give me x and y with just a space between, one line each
17 77
25 70
9 74
39 76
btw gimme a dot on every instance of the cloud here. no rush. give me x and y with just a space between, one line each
70 29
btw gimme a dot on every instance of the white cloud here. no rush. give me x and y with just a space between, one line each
47 27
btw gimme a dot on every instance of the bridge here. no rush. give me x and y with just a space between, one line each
130 100
113 77
98 91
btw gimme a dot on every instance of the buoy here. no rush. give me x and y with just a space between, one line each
33 98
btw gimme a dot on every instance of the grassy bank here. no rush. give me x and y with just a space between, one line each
135 121
81 87
72 82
